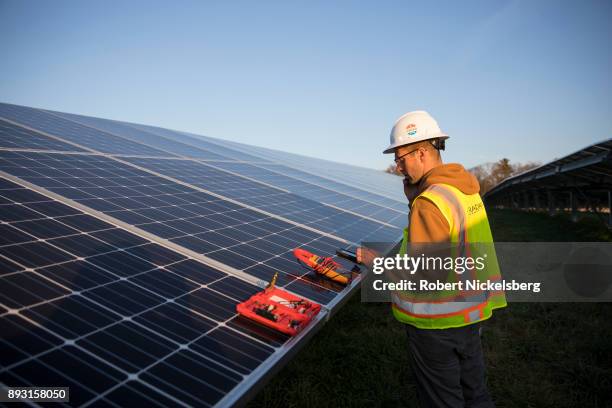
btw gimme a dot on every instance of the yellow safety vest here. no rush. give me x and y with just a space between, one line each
468 223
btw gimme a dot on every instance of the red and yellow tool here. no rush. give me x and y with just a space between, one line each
323 266
279 310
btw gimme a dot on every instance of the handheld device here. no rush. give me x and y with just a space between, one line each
346 254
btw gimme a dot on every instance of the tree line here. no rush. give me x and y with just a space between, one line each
488 174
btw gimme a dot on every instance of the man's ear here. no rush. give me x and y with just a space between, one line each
421 153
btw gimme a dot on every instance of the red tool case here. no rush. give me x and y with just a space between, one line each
280 310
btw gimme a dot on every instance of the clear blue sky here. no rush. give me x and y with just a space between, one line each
527 80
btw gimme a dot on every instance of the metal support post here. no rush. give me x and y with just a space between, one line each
609 209
536 200
551 202
572 198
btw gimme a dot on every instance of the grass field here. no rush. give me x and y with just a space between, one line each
538 354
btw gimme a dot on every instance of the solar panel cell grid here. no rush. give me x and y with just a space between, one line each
294 207
175 322
78 275
12 136
134 394
149 325
23 289
81 323
74 132
351 190
86 376
20 339
71 316
194 140
182 224
315 192
141 136
7 266
35 254
374 181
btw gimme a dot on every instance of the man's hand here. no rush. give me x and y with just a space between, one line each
365 256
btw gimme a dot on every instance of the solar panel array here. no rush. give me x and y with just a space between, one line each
124 250
589 168
581 180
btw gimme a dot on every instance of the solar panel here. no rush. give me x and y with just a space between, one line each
125 248
350 190
356 181
376 182
219 229
165 139
194 140
393 215
116 317
137 135
17 137
271 199
75 133
327 195
588 169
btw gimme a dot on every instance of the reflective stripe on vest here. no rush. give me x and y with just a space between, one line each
463 229
433 309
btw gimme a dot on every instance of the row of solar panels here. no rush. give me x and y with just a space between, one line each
590 168
125 249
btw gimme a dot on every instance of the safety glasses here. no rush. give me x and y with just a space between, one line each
397 159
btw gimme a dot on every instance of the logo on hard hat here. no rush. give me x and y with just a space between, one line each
411 129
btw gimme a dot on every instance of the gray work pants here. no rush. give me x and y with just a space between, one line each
449 368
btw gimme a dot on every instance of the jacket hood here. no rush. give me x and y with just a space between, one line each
453 174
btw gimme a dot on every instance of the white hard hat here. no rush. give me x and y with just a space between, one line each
414 127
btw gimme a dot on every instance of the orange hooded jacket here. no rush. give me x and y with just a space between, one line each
427 224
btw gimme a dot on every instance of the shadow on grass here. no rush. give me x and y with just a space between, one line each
538 354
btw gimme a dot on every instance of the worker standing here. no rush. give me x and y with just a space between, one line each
445 207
